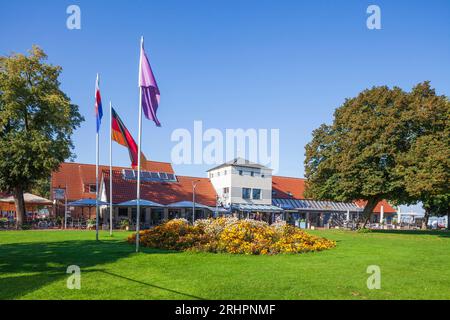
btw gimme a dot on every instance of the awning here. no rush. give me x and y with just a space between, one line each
29 199
142 203
313 205
256 207
219 209
87 203
187 204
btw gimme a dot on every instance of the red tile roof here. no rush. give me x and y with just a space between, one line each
283 186
79 175
386 206
161 192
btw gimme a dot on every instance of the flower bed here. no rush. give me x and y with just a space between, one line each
230 235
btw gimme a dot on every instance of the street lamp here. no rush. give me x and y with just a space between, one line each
194 185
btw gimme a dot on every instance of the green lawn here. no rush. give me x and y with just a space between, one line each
413 266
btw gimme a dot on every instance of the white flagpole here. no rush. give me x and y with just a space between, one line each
110 172
96 180
138 206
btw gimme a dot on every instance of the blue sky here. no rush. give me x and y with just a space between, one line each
232 64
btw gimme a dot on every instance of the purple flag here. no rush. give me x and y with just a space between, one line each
149 88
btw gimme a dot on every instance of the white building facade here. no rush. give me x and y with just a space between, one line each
241 182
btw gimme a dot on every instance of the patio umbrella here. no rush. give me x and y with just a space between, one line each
87 203
29 199
188 204
142 203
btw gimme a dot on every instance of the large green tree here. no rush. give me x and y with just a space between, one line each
37 120
358 156
426 167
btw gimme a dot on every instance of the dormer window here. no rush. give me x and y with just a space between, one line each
163 175
90 188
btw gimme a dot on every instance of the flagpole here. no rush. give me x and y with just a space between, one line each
96 179
96 187
138 206
110 172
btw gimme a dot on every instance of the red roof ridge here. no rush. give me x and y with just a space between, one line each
191 177
286 177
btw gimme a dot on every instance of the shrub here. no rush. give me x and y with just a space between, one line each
230 235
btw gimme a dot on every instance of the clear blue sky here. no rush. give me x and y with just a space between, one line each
231 64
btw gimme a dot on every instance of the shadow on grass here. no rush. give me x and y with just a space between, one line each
42 263
186 295
445 234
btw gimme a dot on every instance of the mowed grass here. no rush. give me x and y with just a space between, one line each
413 265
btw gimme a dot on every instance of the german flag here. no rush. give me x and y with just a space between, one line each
121 135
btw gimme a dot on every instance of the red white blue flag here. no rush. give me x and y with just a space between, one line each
98 105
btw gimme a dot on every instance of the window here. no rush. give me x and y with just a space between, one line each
246 193
252 174
226 190
212 175
163 175
256 194
218 173
240 172
225 173
90 188
154 175
123 212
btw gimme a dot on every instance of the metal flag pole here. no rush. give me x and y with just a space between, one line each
65 208
138 197
96 181
110 172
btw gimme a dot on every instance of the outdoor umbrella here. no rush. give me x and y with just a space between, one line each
187 204
87 203
142 203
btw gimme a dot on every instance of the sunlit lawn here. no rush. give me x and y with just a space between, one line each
33 266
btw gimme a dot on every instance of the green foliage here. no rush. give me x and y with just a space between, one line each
37 120
41 188
380 144
124 223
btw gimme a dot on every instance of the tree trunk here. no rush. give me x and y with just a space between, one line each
20 206
368 210
426 217
448 219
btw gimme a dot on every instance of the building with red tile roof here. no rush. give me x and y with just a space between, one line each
287 193
161 192
294 188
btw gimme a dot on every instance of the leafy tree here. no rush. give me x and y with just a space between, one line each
358 156
37 121
426 167
42 188
437 206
